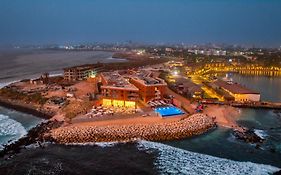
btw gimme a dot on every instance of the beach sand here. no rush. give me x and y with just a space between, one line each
225 116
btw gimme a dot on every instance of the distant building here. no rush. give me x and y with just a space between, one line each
168 49
188 88
172 64
117 91
44 79
239 92
208 52
215 65
149 88
80 72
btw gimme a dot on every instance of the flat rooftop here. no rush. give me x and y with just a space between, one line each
235 88
187 83
145 77
116 81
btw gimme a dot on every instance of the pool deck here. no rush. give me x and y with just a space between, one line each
169 111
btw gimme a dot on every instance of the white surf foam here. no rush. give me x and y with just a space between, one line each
261 133
37 145
3 84
118 59
55 74
177 161
100 144
11 129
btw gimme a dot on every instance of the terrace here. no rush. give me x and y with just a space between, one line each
146 78
116 81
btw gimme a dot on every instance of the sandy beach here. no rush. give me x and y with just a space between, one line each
225 116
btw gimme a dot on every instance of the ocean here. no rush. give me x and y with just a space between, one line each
14 124
17 64
216 152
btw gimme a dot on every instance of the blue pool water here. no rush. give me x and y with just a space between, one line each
168 111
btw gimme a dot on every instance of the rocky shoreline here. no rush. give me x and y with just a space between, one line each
248 136
34 135
186 127
18 106
53 131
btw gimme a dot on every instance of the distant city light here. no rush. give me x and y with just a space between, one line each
175 73
92 74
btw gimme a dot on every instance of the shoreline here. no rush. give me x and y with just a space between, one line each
225 116
17 106
34 136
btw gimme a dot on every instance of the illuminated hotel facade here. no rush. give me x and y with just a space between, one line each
117 91
120 92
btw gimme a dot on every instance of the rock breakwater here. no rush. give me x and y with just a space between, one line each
186 127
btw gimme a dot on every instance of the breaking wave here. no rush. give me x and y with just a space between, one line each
177 161
11 129
3 84
261 133
100 144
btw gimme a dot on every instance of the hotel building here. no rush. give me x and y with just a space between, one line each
188 88
239 92
149 88
80 72
117 91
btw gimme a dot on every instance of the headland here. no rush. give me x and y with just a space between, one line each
147 98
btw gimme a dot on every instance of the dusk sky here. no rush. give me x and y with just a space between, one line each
152 21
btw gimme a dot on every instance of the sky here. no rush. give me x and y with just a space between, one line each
252 22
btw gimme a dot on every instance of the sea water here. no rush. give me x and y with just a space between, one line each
171 160
14 125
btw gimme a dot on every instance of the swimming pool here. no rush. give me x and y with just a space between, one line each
168 111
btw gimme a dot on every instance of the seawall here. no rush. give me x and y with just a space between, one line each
186 127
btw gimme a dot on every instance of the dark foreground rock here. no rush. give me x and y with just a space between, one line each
82 160
248 135
35 135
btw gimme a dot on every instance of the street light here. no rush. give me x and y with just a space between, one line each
175 73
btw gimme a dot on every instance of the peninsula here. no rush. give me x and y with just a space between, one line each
148 97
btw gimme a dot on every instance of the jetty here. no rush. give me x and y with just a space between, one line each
265 105
260 105
127 131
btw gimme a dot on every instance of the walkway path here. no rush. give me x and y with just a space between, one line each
185 102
